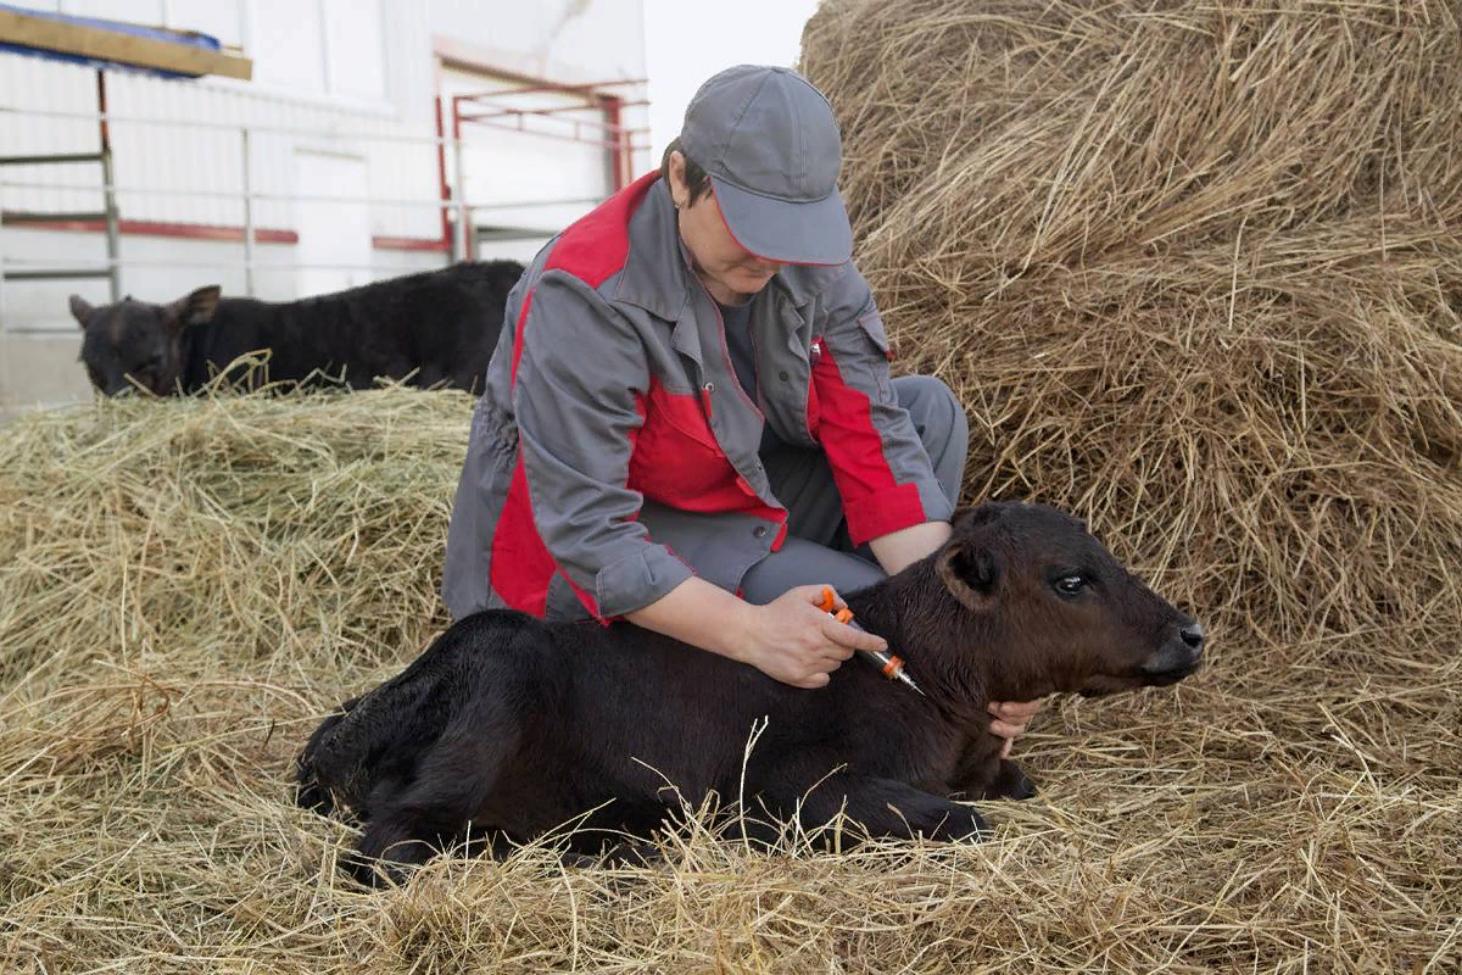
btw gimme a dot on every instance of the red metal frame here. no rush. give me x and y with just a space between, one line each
450 51
385 242
615 137
444 188
208 231
101 107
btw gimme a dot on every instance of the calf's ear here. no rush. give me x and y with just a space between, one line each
195 308
80 309
971 573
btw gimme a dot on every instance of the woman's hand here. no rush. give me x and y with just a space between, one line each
797 643
1011 718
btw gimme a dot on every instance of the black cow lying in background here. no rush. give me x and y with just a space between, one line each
512 726
437 327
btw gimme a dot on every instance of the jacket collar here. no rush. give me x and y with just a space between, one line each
657 269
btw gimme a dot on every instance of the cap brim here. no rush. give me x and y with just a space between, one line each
788 233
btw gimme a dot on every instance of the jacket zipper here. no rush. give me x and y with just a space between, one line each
726 354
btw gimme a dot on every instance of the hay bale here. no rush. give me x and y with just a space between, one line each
1196 270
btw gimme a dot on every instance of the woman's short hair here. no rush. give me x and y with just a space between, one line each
696 178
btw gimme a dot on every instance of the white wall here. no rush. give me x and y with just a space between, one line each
566 40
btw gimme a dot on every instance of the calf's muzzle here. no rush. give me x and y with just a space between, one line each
1179 657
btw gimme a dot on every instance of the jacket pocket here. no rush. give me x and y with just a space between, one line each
562 603
684 412
676 460
872 325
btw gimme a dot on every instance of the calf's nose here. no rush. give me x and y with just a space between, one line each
1179 656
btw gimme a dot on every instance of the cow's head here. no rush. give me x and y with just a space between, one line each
133 343
1057 610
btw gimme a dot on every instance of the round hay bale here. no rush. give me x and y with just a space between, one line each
1196 270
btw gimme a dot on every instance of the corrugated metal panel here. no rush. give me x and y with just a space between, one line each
185 158
49 86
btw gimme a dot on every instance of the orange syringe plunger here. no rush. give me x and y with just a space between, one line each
889 664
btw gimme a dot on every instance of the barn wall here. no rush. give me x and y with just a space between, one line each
342 104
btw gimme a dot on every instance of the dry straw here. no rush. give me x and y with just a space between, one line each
1195 270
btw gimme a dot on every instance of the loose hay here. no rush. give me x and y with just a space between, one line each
1196 272
187 585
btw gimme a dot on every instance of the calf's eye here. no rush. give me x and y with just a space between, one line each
1070 585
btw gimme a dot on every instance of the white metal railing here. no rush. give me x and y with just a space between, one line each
459 215
435 204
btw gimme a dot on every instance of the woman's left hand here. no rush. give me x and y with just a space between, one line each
1010 720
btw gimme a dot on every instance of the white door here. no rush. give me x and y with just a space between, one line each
334 249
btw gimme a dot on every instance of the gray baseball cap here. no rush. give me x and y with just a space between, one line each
772 148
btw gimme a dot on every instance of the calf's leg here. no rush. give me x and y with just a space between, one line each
882 806
885 807
453 782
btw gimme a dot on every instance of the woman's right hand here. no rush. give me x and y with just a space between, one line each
796 642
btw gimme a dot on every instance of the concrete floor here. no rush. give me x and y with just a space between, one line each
39 371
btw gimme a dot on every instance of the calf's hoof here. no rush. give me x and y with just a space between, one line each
1011 782
963 824
374 874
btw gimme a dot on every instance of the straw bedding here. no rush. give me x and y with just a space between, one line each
1196 272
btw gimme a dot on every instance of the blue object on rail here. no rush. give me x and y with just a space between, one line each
186 38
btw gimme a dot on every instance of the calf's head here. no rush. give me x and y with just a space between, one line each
136 343
1047 608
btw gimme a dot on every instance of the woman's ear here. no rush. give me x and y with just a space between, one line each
679 190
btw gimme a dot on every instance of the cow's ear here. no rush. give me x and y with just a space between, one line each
971 573
196 308
81 309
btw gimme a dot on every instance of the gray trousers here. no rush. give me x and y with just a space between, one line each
816 549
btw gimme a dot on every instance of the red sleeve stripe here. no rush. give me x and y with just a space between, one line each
518 330
521 565
873 501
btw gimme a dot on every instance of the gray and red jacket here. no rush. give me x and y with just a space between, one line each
613 452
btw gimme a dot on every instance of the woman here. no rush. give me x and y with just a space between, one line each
690 423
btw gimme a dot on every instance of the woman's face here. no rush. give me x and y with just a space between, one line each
730 272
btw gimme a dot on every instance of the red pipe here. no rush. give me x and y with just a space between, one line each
613 108
444 187
587 88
